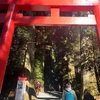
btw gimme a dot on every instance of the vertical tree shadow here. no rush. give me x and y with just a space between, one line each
31 92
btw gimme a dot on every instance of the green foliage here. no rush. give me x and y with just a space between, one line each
39 70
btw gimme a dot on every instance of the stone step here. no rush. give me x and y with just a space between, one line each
50 95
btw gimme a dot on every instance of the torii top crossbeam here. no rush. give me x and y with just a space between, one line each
12 17
51 2
55 7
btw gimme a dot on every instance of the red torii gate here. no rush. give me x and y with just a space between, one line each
12 18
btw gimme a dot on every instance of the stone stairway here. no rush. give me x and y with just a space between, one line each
49 95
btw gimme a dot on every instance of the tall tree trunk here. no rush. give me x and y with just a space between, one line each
81 91
29 64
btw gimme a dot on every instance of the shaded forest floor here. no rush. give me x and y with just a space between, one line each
9 94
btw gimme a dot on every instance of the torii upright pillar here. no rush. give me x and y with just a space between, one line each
97 17
6 40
